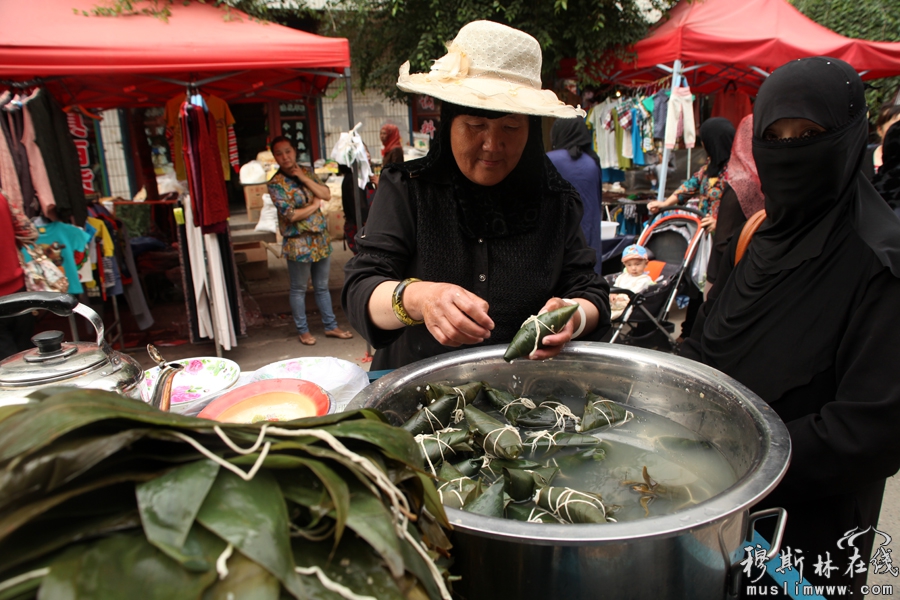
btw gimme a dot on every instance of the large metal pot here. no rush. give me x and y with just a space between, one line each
694 553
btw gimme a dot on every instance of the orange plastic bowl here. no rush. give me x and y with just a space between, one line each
269 400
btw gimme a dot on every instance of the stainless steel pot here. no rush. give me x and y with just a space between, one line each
694 553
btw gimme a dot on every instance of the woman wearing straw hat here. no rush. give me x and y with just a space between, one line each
463 245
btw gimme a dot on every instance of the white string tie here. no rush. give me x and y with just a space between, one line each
334 586
221 562
529 404
537 330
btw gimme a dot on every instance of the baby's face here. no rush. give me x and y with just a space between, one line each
635 266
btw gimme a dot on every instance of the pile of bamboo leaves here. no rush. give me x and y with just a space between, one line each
105 497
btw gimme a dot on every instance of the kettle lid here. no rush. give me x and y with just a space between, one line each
51 361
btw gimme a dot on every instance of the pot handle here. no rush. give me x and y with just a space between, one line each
734 574
60 304
20 303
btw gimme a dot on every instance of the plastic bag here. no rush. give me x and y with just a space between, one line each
268 216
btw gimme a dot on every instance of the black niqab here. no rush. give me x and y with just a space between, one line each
717 135
508 208
823 218
573 135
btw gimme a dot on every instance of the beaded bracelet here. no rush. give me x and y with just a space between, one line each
397 302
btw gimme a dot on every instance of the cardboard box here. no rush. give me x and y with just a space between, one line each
253 195
254 251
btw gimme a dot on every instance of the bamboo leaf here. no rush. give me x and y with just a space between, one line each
393 441
371 521
490 503
12 520
352 564
41 538
252 515
334 483
126 565
63 462
170 503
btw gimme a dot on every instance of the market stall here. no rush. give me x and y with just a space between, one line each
716 44
90 61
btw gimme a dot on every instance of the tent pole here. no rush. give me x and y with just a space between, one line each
664 165
358 198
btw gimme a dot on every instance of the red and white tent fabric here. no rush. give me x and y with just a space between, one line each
744 41
141 60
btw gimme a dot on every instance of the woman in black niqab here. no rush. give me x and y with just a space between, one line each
808 318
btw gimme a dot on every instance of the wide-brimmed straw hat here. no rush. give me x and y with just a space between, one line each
493 67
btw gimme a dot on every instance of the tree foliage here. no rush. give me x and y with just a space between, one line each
385 33
877 20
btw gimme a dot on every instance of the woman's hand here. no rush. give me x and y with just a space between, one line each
319 190
656 206
709 224
553 344
453 315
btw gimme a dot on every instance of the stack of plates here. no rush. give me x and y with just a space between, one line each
199 381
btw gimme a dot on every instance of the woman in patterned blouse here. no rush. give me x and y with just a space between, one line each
298 195
708 183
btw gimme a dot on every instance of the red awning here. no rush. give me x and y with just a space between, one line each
141 60
736 39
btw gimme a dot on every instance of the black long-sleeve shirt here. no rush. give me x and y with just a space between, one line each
416 234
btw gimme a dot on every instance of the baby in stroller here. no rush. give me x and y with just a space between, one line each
634 278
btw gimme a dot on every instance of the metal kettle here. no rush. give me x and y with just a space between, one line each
55 362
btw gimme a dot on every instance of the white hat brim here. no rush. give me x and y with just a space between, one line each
488 93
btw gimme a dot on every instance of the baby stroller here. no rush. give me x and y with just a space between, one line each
671 239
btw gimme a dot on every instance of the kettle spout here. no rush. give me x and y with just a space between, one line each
161 397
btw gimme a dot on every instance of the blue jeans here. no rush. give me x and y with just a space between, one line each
300 273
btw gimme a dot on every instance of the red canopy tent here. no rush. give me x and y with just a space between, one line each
744 41
140 60
712 42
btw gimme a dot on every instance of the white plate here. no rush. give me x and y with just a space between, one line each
340 378
200 379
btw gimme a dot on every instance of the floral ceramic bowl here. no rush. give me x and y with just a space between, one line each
200 379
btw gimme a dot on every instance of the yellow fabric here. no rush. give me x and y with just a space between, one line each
219 109
109 248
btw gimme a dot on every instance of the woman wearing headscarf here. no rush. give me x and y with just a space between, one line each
707 186
574 157
742 197
463 245
808 318
887 179
708 183
392 146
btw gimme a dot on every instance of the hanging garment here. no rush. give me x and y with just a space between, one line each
71 248
681 108
604 139
220 306
51 134
625 123
11 276
205 171
660 114
223 123
200 284
732 104
20 157
9 177
637 140
39 176
622 162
